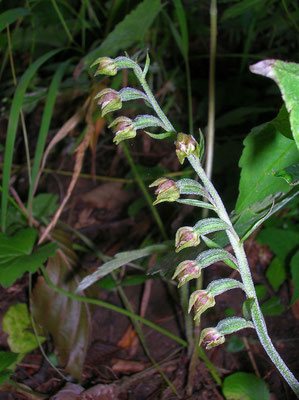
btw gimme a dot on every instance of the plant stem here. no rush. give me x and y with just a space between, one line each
257 316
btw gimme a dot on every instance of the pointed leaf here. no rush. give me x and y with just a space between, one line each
246 308
196 203
209 225
232 325
257 224
208 257
220 286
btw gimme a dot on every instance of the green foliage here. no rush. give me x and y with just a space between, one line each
266 148
17 255
295 276
276 273
7 360
234 344
10 16
245 386
272 306
16 323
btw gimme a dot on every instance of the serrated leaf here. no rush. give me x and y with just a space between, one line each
295 276
119 260
128 32
245 386
15 323
17 255
266 149
286 75
233 324
67 320
290 174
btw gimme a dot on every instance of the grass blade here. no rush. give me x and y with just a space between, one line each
10 16
183 25
12 128
44 128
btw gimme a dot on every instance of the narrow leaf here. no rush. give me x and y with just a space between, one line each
10 16
257 224
209 225
209 257
196 203
220 286
232 325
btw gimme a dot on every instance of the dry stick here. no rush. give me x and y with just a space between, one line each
208 169
251 357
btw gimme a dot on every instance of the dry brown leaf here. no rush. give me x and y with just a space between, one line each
109 196
101 392
80 152
70 391
127 367
127 338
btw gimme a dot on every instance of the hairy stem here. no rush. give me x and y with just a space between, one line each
257 316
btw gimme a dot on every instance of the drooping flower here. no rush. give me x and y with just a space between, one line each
185 146
106 66
109 99
186 237
186 271
123 128
200 300
167 190
211 337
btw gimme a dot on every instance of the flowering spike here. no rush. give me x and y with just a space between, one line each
167 190
123 129
201 300
211 337
106 66
186 271
186 237
110 100
185 146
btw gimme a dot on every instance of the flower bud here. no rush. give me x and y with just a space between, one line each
186 237
186 271
167 190
201 300
185 146
109 99
123 129
106 66
211 337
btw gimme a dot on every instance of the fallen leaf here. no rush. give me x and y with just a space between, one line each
69 392
127 367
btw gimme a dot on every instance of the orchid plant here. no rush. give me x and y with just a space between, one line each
187 148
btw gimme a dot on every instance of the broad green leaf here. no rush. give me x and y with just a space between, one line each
295 276
261 291
66 320
266 149
290 174
17 255
16 323
119 260
280 241
240 8
44 205
6 359
128 32
245 386
272 307
276 273
4 376
286 75
234 344
10 16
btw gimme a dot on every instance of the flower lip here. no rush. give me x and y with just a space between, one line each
106 66
123 128
186 271
109 99
211 337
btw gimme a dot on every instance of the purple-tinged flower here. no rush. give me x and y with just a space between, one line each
186 237
123 128
185 146
109 99
186 271
211 337
200 300
167 190
106 66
